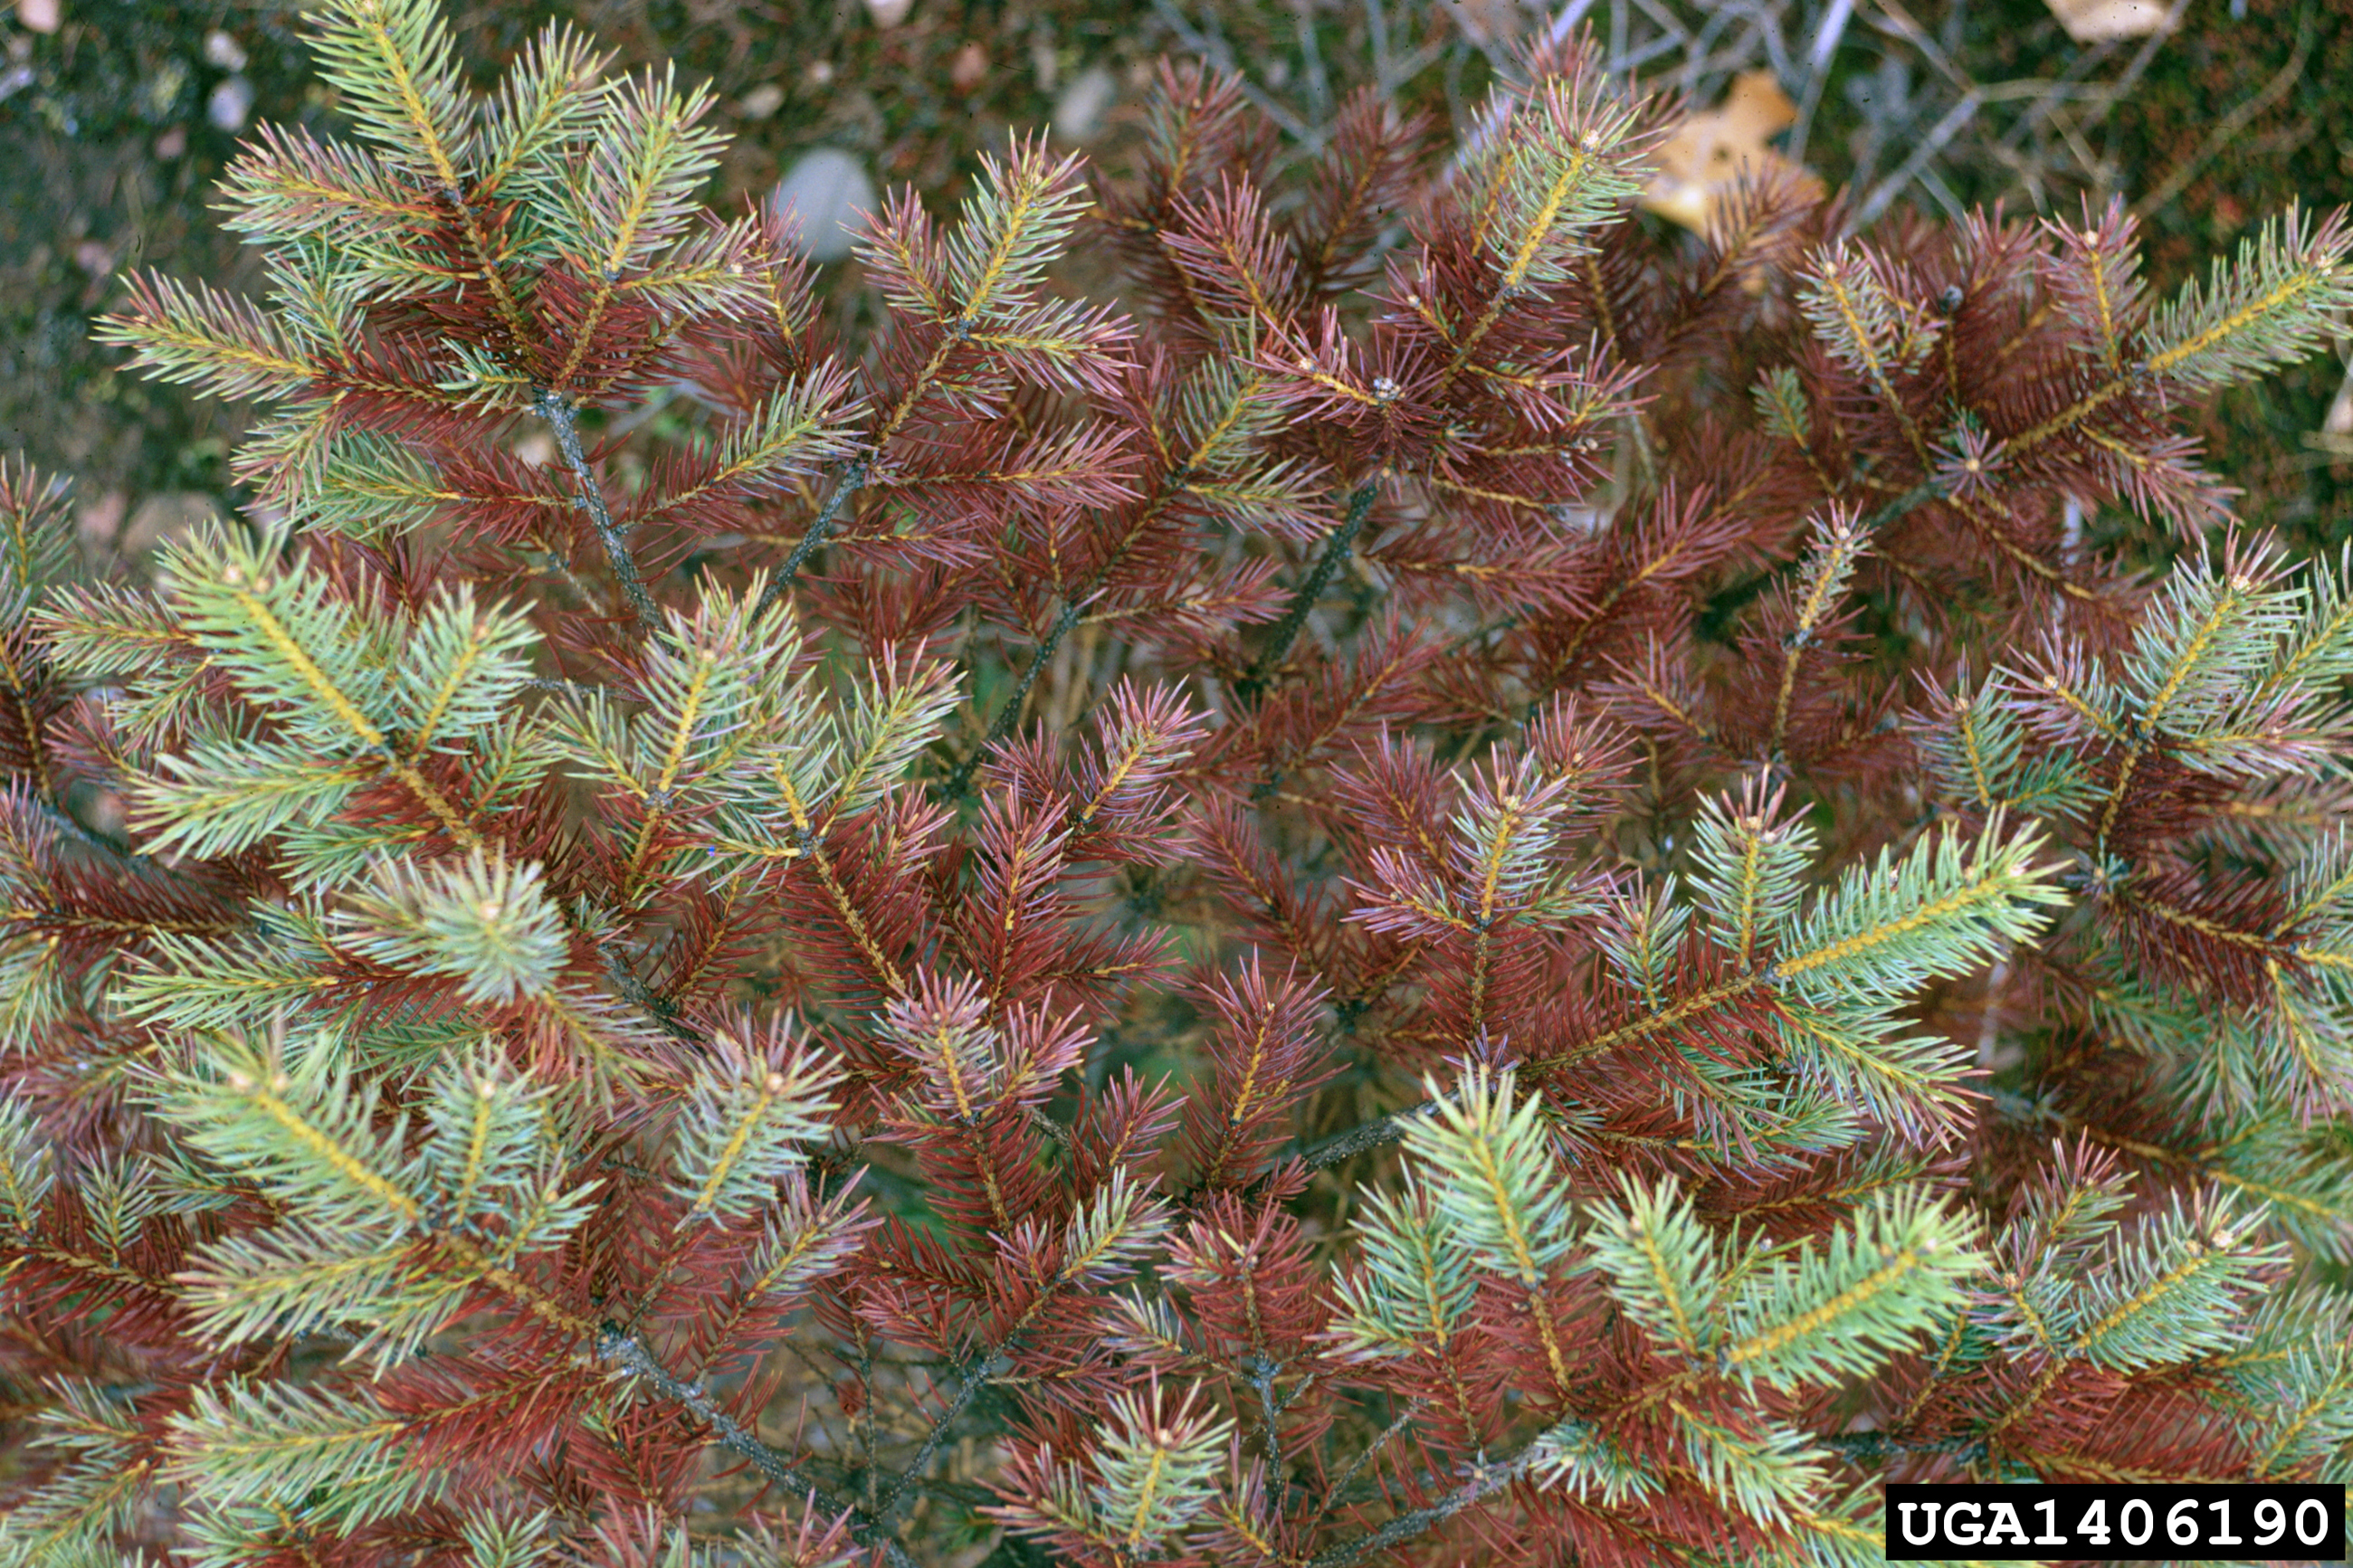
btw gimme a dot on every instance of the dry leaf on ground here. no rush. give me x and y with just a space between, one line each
2336 432
2097 21
1709 152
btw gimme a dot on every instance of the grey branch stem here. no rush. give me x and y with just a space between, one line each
1484 1481
1372 1135
1311 592
1911 500
1340 1487
661 1013
565 420
975 1380
631 1354
1010 714
853 479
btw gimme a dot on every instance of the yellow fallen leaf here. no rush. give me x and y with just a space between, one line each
2336 432
2096 21
1708 152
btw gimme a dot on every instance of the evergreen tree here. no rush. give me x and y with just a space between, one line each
623 1011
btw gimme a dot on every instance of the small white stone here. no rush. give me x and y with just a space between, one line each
1078 111
761 101
223 52
231 101
827 188
888 13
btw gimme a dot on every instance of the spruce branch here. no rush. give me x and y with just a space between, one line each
1837 547
1100 1244
750 1114
1662 1264
320 786
1416 1281
300 655
1911 500
1340 1488
633 989
486 922
2271 306
542 105
1864 324
979 292
245 1444
798 430
394 66
1898 1269
1557 165
27 1167
222 345
634 191
2270 309
109 1470
1181 481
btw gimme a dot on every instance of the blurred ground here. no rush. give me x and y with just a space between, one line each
115 124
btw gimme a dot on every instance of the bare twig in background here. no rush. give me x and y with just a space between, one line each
2140 60
1319 84
1917 165
1212 46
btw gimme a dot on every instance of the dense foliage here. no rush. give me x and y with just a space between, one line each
1455 875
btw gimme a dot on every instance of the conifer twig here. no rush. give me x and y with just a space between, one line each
1010 714
1485 1480
1878 1447
1911 500
911 1475
1311 592
997 1361
564 419
639 994
1340 1487
960 779
1373 1134
631 1354
853 479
